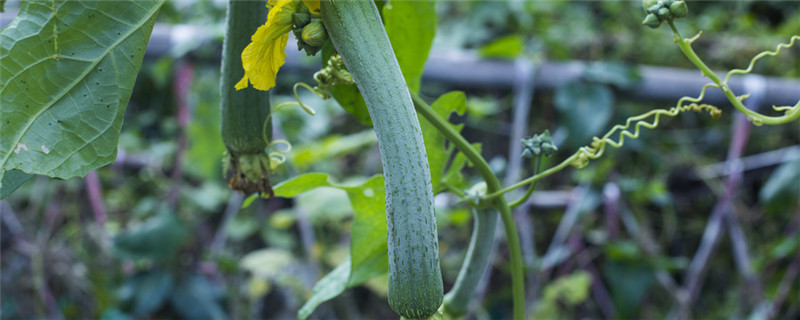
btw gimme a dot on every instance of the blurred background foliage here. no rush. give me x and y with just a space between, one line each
169 240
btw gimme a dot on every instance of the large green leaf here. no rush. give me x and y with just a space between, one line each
411 26
11 181
68 69
438 152
368 253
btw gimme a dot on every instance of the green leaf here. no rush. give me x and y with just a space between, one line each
617 74
508 47
147 291
329 287
300 184
197 298
348 96
411 27
267 263
11 180
629 283
368 252
584 109
331 146
205 144
156 238
368 249
68 69
453 175
563 293
438 152
781 189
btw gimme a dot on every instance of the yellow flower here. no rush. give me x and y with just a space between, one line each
312 5
265 54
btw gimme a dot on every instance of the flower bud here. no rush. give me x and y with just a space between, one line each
314 34
664 14
652 21
678 9
646 4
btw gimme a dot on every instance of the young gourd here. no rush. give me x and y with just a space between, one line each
244 112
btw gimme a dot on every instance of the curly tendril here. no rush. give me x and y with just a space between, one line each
597 147
332 74
790 113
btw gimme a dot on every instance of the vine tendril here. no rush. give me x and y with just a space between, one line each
790 113
597 147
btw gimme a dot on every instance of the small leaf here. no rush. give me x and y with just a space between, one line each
331 146
267 263
630 283
147 291
616 74
156 238
197 298
411 27
584 110
68 71
782 188
508 47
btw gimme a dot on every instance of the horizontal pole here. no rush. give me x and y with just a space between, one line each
464 69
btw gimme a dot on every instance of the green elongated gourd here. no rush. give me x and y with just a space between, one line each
415 278
244 112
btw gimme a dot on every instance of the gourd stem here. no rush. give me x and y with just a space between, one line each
493 185
521 200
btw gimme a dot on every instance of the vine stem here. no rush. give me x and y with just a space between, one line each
493 186
757 118
497 193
